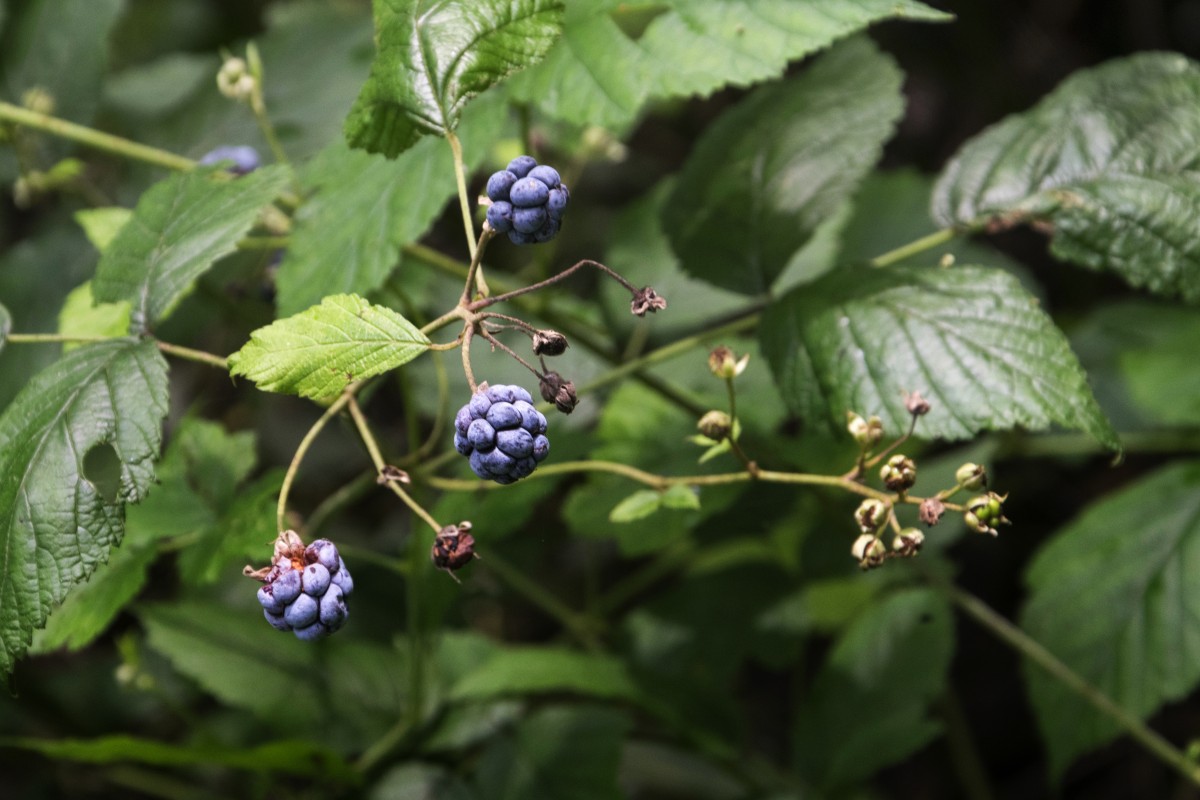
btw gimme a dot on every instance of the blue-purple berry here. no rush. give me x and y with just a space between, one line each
243 157
315 580
302 612
506 434
547 175
528 193
529 220
310 633
499 216
528 201
305 591
521 165
481 435
499 184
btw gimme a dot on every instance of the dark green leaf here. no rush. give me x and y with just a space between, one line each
180 227
1113 596
565 753
868 707
290 757
239 535
415 781
434 56
533 670
109 397
319 352
102 224
688 48
970 339
1107 162
769 171
638 505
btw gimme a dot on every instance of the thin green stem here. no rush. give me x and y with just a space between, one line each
302 450
475 269
195 355
173 349
464 202
364 431
94 139
259 107
1033 650
916 246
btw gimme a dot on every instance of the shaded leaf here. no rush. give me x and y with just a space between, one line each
970 339
319 352
533 670
417 781
681 496
243 533
638 505
110 396
102 224
868 706
1107 161
180 227
765 175
1113 596
434 56
290 757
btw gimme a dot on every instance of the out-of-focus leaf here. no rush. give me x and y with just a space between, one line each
534 670
765 175
970 339
638 505
1112 595
1107 161
415 781
180 227
105 400
82 316
434 56
242 533
102 224
868 706
319 352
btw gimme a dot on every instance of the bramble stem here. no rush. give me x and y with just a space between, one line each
372 444
468 334
916 246
486 334
259 106
479 305
1030 648
460 176
195 355
94 139
174 349
333 410
475 270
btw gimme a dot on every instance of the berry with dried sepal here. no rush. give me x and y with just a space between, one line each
453 548
867 432
907 542
646 300
549 343
500 432
971 477
869 551
899 473
554 389
985 512
930 511
871 515
304 589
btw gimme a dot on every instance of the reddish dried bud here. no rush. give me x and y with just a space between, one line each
555 390
931 510
646 300
549 343
453 548
390 474
724 363
917 406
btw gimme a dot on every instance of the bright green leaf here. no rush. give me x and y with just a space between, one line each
681 496
765 175
1113 595
868 706
289 757
108 398
1107 162
101 225
180 227
537 670
434 56
319 352
638 505
82 316
970 339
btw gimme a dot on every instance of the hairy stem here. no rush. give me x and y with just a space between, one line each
478 305
364 431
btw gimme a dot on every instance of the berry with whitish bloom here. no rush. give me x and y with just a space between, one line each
869 551
528 201
899 473
500 216
304 589
972 477
871 515
500 432
243 158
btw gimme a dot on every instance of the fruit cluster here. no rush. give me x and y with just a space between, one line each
501 433
528 201
305 589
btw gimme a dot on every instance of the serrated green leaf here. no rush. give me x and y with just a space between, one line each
681 496
1112 595
82 316
102 224
180 227
289 757
109 397
638 505
434 56
321 351
1107 162
688 48
537 670
567 752
970 339
766 174
868 707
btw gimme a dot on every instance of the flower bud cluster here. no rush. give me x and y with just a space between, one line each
985 512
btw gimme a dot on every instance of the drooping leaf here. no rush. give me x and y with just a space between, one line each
1113 596
567 752
765 175
688 48
868 706
102 224
434 56
970 339
288 757
56 525
534 670
1107 162
319 352
82 316
180 227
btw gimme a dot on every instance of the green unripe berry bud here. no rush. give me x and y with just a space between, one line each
234 79
867 432
899 473
725 364
972 477
868 551
985 512
716 425
871 516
